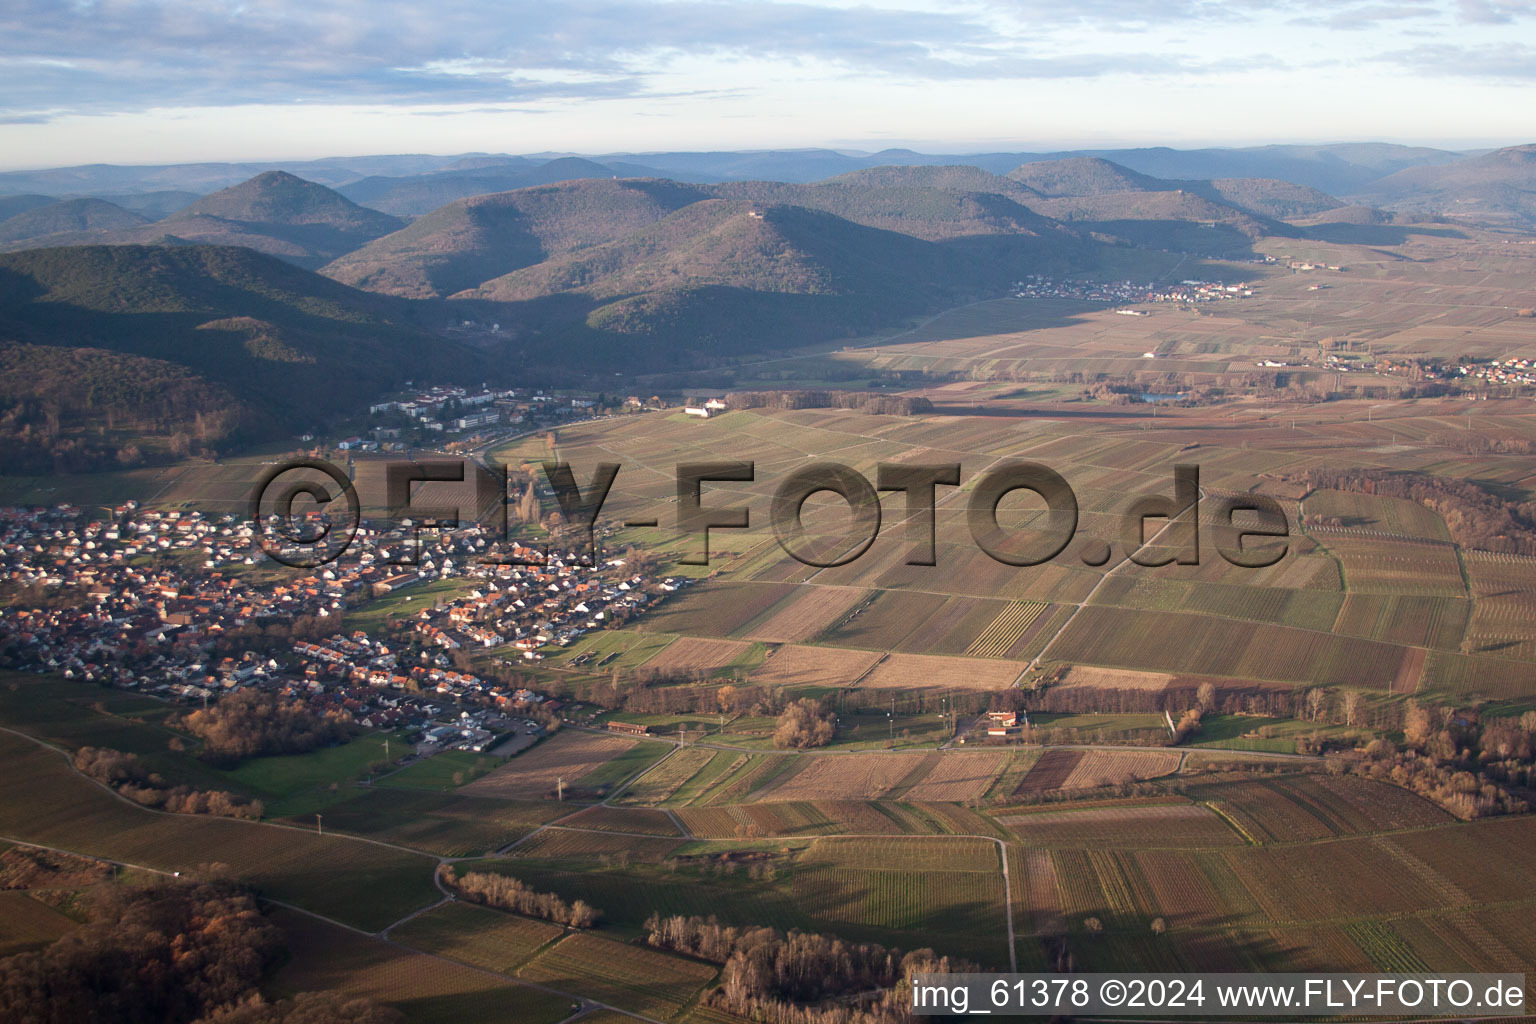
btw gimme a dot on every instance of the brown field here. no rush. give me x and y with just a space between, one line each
637 820
630 977
556 843
1079 769
1109 767
532 774
844 777
927 672
1088 677
1160 824
26 923
959 777
688 654
1003 634
793 665
427 988
806 614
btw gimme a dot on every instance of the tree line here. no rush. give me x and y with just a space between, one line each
798 977
125 774
862 401
507 893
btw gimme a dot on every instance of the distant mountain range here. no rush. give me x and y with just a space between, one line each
396 184
271 302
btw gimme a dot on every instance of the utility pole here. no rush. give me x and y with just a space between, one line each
560 790
319 829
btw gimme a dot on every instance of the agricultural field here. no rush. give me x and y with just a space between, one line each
1298 808
805 615
558 843
446 825
633 820
688 657
671 774
426 988
576 759
477 936
357 882
813 667
842 777
908 672
1172 823
958 778
626 976
27 923
1090 769
1504 618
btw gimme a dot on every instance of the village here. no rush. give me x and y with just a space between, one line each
1039 286
183 606
428 416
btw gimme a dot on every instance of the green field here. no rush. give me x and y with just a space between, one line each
297 784
441 772
356 882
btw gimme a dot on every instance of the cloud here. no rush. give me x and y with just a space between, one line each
97 56
1493 12
1508 61
1373 16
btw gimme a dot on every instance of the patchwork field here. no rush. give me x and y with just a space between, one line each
1089 769
630 977
695 656
1175 824
843 777
957 778
796 666
360 883
909 672
427 988
805 615
535 773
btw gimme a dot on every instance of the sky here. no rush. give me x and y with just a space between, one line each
169 81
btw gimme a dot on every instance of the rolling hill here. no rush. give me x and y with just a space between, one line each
1082 176
1499 186
472 241
726 276
10 206
276 213
414 195
467 242
67 220
254 345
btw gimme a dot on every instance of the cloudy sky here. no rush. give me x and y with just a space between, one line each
158 81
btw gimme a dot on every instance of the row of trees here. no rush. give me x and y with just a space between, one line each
863 401
1475 517
795 977
507 893
124 773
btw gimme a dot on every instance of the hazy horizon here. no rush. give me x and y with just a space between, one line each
174 81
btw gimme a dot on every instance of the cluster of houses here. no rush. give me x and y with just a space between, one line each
530 608
1507 371
1039 286
147 600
